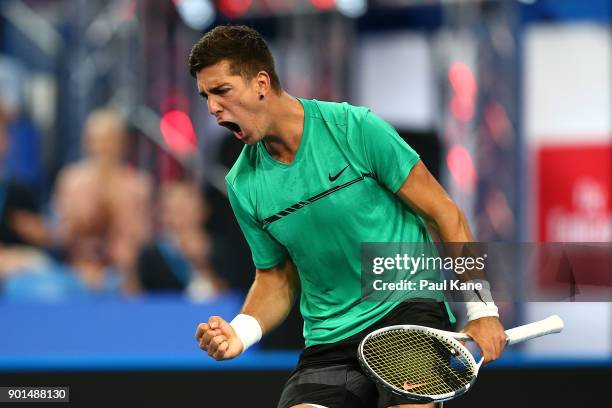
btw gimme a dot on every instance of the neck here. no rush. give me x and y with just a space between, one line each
285 132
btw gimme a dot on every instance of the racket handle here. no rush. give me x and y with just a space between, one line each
552 324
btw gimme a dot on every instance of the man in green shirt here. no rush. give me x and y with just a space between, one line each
314 181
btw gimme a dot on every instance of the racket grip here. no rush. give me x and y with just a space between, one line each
552 324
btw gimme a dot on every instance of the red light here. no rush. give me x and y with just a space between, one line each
178 133
323 4
234 8
465 88
462 108
462 79
461 167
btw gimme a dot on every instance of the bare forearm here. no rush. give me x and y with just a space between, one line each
422 193
272 295
454 232
451 225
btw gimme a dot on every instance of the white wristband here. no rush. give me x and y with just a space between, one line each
480 304
247 329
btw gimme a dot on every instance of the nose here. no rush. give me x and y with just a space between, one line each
213 105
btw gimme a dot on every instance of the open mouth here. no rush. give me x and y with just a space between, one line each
234 128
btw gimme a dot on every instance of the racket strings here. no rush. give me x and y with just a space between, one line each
417 362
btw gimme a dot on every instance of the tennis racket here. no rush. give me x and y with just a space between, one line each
430 365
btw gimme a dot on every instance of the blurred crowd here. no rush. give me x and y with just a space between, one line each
106 227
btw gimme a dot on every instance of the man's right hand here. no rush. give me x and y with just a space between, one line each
218 339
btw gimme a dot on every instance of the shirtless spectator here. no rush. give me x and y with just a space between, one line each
180 259
103 207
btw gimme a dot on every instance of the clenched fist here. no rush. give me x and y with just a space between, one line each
218 339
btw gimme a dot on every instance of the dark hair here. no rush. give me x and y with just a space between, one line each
243 47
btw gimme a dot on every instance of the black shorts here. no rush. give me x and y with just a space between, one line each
330 375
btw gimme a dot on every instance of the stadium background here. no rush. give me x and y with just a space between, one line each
508 103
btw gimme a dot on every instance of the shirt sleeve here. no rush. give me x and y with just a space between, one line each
388 156
266 251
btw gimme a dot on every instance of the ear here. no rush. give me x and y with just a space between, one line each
262 82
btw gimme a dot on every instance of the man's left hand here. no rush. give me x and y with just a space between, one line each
488 333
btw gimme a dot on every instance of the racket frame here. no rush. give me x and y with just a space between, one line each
450 337
550 325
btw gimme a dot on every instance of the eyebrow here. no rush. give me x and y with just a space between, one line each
203 94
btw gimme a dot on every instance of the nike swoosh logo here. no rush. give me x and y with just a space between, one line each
334 178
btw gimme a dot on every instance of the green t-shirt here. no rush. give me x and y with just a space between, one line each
338 192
